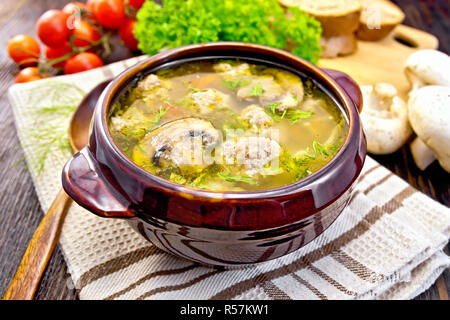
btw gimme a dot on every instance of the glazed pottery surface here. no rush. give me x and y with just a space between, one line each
218 228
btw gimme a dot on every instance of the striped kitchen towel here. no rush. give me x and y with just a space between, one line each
387 244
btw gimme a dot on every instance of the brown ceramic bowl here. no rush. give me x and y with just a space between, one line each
218 228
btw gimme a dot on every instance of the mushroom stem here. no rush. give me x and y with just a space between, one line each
423 156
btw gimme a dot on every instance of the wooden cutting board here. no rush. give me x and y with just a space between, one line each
384 60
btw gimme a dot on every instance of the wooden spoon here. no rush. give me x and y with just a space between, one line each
40 249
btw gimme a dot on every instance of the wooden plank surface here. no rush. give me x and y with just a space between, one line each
20 211
384 61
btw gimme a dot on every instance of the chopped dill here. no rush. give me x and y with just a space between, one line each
303 165
235 85
195 89
206 187
291 115
160 113
47 140
51 105
294 115
273 106
174 177
257 90
293 165
274 115
321 150
142 148
230 178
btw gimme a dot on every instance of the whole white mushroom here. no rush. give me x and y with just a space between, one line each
385 118
429 115
428 67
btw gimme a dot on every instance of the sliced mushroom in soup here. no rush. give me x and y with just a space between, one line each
227 125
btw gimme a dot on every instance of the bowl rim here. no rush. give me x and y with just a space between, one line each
114 87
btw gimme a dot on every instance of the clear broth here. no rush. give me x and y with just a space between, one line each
279 127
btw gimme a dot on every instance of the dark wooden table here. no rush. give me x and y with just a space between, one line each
19 206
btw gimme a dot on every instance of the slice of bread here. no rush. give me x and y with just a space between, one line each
342 45
378 19
337 17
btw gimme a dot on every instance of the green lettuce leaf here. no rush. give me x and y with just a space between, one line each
176 23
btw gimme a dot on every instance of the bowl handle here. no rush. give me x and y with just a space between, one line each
84 183
350 87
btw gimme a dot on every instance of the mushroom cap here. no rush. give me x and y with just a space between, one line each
384 118
183 142
428 67
429 115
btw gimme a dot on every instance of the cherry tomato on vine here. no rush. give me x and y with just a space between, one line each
137 4
82 62
53 53
74 7
85 34
126 34
28 74
110 13
75 11
52 28
90 8
24 50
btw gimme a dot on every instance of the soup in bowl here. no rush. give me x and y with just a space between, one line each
227 125
222 153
